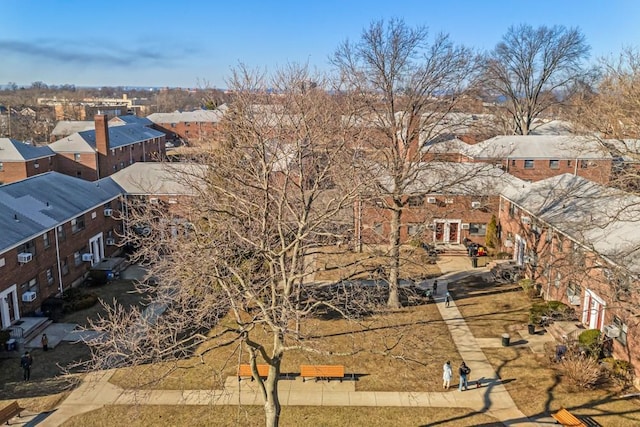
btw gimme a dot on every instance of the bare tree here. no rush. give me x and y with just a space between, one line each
264 202
531 67
402 89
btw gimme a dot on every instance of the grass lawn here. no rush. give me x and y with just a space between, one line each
299 416
48 386
395 351
535 384
334 264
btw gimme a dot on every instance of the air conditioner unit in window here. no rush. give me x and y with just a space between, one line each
431 200
87 257
612 331
29 296
465 226
431 226
525 219
108 212
476 205
24 257
574 299
110 241
508 243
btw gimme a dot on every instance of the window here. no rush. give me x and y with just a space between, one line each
559 243
121 165
568 163
77 224
513 163
574 289
76 157
554 164
77 258
377 227
416 201
36 164
413 229
558 279
61 235
45 239
1 167
49 274
173 125
64 266
513 210
584 164
29 247
477 229
528 164
622 338
30 286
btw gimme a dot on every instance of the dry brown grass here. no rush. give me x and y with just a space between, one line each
538 388
341 263
490 309
299 416
397 351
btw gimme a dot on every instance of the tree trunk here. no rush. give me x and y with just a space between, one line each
272 402
394 268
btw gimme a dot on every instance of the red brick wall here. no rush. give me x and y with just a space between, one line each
188 131
16 171
594 170
459 208
14 272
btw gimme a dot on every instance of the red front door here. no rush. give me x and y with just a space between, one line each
453 232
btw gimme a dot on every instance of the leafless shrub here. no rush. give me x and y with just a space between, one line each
581 371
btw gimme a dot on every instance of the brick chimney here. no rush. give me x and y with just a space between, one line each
102 133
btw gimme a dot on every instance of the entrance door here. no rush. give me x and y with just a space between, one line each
9 310
439 232
453 232
447 231
593 310
97 248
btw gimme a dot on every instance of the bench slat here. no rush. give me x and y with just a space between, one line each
10 411
245 371
322 371
567 419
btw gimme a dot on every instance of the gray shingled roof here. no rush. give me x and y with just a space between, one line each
12 150
213 116
119 136
152 178
539 147
34 205
601 218
67 127
131 119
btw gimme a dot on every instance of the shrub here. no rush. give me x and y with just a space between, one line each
581 371
4 337
80 302
71 294
536 312
590 341
620 371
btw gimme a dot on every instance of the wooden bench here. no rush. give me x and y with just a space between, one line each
244 371
567 419
9 412
322 372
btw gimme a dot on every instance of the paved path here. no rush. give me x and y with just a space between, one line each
492 398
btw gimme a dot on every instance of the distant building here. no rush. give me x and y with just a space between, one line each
188 126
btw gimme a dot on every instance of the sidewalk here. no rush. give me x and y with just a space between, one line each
492 398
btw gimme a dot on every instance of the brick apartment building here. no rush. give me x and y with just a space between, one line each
95 154
189 126
19 160
448 203
578 241
54 228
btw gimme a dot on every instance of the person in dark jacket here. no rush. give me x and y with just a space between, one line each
25 362
464 372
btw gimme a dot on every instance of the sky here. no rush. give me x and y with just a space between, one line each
195 43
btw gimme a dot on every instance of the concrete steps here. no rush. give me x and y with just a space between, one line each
36 330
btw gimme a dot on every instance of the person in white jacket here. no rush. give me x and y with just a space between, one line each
447 373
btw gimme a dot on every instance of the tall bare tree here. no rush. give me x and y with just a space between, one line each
531 67
403 86
264 202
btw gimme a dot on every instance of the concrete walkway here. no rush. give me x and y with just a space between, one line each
492 398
